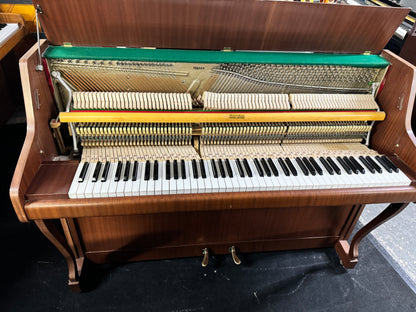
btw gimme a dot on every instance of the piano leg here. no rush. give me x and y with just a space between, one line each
349 253
67 247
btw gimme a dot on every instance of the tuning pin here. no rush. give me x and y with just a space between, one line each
205 260
236 260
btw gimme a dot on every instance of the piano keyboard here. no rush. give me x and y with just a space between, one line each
7 31
138 178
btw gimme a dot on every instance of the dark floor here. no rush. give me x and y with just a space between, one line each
35 274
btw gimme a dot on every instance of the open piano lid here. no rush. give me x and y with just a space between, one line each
216 24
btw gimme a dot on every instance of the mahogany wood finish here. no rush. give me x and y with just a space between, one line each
153 227
39 145
48 228
14 40
349 253
394 136
201 24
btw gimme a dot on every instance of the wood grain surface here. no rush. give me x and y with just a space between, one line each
39 145
214 25
394 136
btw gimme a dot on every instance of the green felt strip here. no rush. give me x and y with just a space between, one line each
203 56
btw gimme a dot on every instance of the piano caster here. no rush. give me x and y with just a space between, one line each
236 260
205 260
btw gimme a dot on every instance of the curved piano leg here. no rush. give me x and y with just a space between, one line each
48 228
349 253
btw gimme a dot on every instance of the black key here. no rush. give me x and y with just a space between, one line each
374 164
214 168
381 161
167 170
357 164
221 167
147 171
175 170
258 167
240 168
302 166
155 170
309 166
105 172
367 164
265 167
390 163
228 166
291 167
273 167
183 169
316 166
135 169
333 165
284 167
118 171
126 171
96 172
247 167
350 165
326 165
202 167
344 165
194 169
83 172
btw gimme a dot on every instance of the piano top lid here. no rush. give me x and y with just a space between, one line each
218 24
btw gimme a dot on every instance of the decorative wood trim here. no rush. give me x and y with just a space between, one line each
349 253
75 264
39 145
230 116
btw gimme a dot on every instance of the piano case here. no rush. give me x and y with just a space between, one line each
168 226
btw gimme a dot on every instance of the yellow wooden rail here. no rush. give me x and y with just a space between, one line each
196 117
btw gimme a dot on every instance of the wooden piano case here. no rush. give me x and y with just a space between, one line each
154 227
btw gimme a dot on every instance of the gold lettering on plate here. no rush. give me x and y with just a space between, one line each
237 116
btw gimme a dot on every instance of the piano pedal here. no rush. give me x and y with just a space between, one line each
236 260
205 260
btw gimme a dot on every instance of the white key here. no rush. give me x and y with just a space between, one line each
186 182
105 186
165 183
151 183
143 182
83 185
227 180
72 193
207 180
172 181
128 187
90 185
136 184
242 187
214 181
121 183
200 181
180 185
258 181
158 182
112 190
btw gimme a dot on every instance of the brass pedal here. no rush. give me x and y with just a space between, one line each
205 260
236 260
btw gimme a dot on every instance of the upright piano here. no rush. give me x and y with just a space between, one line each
163 129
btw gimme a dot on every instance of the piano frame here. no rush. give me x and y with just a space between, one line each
169 226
